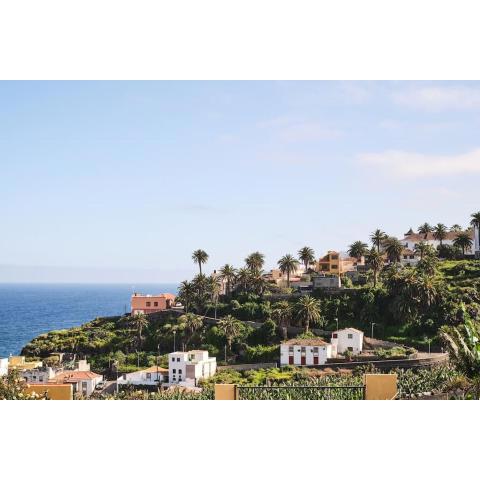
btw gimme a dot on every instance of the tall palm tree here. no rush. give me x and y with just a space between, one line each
425 229
231 328
475 220
213 290
306 256
288 264
186 294
282 314
440 232
200 256
458 228
139 321
192 323
243 278
375 260
255 261
393 249
377 238
358 249
463 241
227 273
308 311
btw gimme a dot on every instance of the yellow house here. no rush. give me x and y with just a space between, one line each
53 391
333 263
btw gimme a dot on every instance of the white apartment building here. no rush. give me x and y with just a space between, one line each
349 339
305 351
152 376
186 368
3 366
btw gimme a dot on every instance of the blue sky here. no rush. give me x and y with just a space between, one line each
121 181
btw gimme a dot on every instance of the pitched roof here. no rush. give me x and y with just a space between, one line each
418 237
348 328
154 369
305 342
73 376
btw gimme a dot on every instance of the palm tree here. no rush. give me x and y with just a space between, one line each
463 241
231 328
457 228
213 289
308 311
200 257
394 249
358 249
440 232
139 321
463 345
192 323
425 229
227 272
186 294
282 314
377 238
288 265
255 261
243 278
375 260
475 220
423 249
306 256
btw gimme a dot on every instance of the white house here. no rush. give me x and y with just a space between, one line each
349 339
409 257
412 239
186 368
39 374
305 351
152 376
3 366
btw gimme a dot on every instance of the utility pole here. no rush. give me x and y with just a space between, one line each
373 323
174 333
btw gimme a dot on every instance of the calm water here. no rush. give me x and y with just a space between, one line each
26 310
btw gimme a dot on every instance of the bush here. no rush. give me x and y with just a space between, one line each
262 353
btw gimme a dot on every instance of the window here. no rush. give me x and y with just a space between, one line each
412 257
179 371
149 303
174 371
334 267
290 349
315 350
173 359
179 378
178 359
149 376
303 351
350 349
155 304
350 335
335 335
334 257
404 257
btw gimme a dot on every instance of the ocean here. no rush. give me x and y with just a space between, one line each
27 310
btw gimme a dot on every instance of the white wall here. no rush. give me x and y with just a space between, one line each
140 378
344 343
324 352
3 366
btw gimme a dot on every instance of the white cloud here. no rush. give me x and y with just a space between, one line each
416 165
439 98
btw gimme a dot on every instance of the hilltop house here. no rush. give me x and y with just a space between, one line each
349 339
186 368
412 239
141 303
305 351
336 263
152 376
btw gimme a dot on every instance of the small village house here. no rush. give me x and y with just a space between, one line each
347 339
186 368
83 382
152 376
326 281
141 303
336 263
305 351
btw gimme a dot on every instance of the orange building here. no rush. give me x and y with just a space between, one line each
151 303
334 263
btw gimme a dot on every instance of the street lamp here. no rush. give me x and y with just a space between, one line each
373 323
429 342
336 319
174 333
